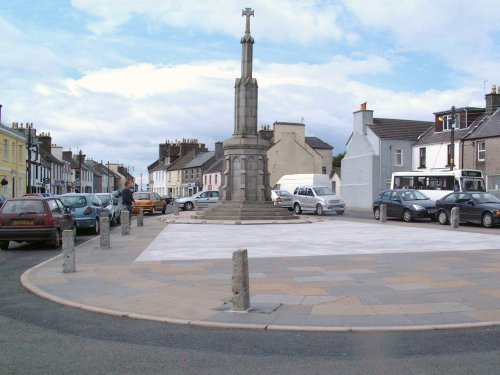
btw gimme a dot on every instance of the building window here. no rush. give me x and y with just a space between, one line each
481 150
447 122
5 149
215 178
398 157
421 157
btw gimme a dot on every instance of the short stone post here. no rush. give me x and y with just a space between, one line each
383 213
140 218
455 217
125 220
240 281
105 235
176 209
68 249
196 207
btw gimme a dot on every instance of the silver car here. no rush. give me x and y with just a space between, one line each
282 198
318 199
203 199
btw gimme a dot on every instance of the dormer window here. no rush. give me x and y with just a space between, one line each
447 123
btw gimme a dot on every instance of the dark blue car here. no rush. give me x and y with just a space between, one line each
475 207
406 204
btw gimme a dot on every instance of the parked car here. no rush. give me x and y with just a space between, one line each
167 198
111 204
282 198
482 208
406 204
86 208
149 202
203 199
3 198
34 219
318 199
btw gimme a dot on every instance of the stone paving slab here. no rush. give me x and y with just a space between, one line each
181 273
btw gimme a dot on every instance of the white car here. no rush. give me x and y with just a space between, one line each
318 199
203 199
110 202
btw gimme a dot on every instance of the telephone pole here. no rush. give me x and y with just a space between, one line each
452 148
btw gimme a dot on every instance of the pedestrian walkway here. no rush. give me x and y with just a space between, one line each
317 274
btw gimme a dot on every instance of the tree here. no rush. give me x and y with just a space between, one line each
337 160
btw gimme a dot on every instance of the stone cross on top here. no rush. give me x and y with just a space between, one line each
247 12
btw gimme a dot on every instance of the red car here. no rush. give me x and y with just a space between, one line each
33 219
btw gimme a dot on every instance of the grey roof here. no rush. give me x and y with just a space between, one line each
216 166
432 137
486 126
399 129
200 159
315 142
181 162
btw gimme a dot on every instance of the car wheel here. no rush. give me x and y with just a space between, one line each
407 216
188 206
56 241
376 213
118 219
319 210
4 245
487 220
442 217
97 227
297 209
340 212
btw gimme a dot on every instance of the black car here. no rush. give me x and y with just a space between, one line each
475 207
406 204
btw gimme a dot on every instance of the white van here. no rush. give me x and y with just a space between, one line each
291 181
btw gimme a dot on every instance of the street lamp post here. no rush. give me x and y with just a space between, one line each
452 147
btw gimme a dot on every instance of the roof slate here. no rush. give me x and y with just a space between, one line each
399 129
486 127
315 142
200 159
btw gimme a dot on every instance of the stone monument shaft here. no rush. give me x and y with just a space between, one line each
246 89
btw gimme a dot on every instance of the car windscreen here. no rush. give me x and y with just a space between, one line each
75 202
414 195
323 190
141 196
24 206
104 199
283 193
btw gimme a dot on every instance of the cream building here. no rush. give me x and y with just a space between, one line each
12 162
290 153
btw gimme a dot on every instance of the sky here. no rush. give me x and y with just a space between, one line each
115 78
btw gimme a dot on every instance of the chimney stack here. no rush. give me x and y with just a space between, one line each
493 100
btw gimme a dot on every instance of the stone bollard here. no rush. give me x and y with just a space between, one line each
176 209
196 207
125 220
140 218
383 213
68 249
105 235
240 281
455 217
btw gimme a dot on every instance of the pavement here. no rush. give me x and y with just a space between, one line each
330 273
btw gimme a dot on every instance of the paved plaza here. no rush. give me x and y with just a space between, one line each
326 274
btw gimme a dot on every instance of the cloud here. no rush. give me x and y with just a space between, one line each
284 20
460 32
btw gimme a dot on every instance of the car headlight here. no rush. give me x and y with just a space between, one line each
417 207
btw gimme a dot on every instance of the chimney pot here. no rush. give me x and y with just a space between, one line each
363 106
